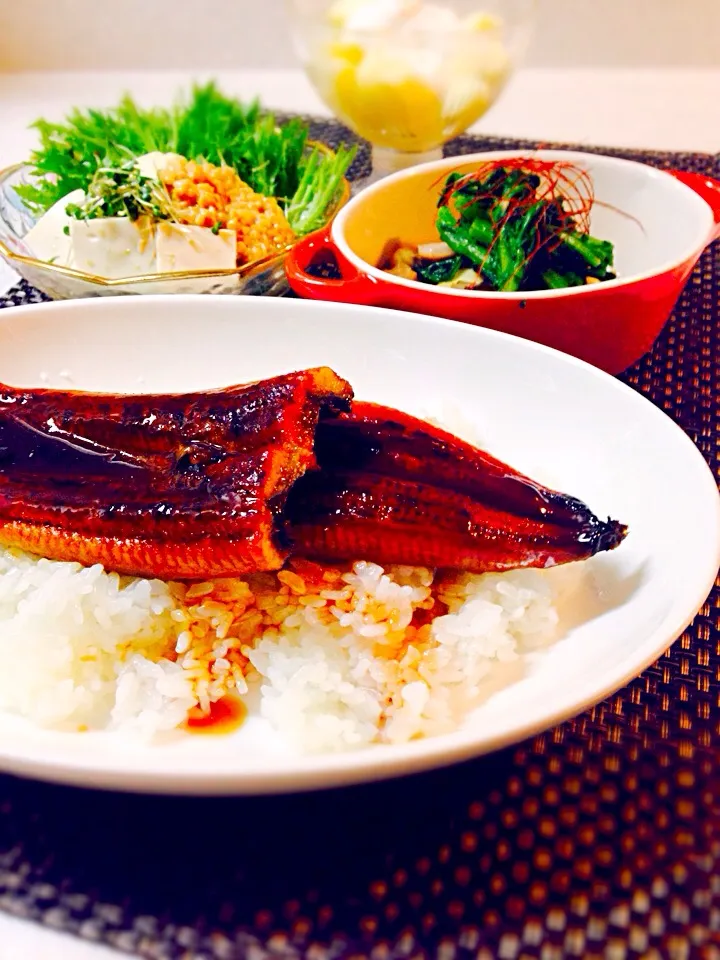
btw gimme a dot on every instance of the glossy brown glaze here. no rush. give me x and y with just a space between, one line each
235 481
397 490
172 486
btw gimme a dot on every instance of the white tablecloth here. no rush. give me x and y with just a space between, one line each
652 109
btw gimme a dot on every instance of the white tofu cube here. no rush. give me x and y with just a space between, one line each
181 247
113 247
47 240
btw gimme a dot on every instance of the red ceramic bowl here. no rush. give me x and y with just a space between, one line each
660 223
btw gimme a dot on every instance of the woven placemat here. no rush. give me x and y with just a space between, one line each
598 839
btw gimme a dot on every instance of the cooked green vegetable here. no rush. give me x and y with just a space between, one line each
272 158
438 271
458 239
596 253
523 225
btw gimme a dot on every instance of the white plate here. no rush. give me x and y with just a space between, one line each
562 421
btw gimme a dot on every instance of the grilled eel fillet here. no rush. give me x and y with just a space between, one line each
172 486
396 490
234 481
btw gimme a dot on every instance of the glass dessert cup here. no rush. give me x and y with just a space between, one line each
409 75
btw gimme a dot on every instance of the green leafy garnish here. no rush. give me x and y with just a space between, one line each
272 158
317 188
122 192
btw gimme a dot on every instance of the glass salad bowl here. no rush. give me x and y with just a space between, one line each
263 277
409 75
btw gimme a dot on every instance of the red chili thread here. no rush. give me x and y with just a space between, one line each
569 186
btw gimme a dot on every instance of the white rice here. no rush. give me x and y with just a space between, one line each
338 661
77 645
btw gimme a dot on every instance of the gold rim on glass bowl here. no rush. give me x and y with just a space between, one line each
245 271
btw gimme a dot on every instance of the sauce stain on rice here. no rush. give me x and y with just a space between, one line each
223 716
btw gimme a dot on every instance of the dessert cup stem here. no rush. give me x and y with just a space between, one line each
386 161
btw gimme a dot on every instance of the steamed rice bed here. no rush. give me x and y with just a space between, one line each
341 658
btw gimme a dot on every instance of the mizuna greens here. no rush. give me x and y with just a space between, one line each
271 157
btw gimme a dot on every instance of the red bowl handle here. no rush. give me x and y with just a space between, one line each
707 188
354 287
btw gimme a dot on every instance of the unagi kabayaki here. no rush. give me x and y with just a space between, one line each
235 481
172 486
395 489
